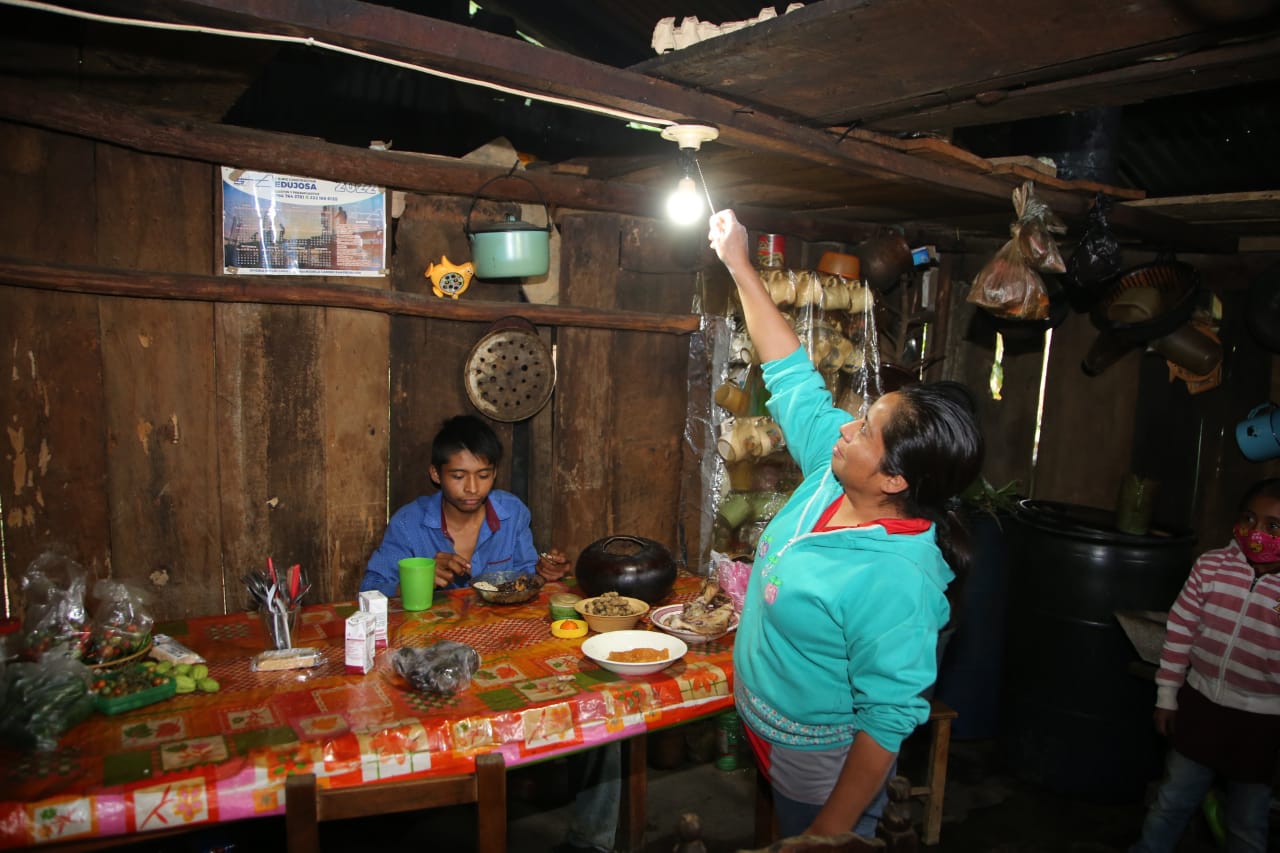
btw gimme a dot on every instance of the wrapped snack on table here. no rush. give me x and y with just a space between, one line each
41 700
444 669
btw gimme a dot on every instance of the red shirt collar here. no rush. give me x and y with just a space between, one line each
891 525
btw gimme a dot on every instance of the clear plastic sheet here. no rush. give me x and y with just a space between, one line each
744 467
55 619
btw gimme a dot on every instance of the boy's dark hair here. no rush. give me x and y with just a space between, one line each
466 432
1270 488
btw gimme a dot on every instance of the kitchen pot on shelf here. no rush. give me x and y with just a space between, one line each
511 248
629 565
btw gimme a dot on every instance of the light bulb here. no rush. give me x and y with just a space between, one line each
684 205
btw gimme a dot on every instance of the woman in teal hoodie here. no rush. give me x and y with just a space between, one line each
839 628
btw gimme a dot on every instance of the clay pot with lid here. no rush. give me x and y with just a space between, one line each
628 565
884 258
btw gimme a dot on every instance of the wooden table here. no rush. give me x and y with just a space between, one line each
200 759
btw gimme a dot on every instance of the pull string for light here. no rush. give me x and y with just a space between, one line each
703 179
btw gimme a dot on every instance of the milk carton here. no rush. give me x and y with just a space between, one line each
375 602
360 642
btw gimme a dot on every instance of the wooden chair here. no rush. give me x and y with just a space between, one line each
935 783
307 805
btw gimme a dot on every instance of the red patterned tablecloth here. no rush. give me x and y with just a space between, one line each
203 758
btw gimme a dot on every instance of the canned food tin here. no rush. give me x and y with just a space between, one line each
769 250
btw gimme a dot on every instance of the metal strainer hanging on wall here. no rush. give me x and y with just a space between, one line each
510 373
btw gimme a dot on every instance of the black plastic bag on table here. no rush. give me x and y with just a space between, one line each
1096 259
55 618
443 669
40 700
122 621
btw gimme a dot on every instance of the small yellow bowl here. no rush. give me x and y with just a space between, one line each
568 628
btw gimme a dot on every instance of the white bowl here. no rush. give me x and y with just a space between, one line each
660 616
599 646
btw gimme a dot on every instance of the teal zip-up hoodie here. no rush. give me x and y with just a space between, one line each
839 629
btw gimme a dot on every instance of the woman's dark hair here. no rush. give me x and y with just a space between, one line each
934 443
466 432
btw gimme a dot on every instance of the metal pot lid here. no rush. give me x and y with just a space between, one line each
510 372
511 224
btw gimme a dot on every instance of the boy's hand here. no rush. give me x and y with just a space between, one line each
1164 721
553 564
450 567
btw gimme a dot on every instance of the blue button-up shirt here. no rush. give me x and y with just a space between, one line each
417 530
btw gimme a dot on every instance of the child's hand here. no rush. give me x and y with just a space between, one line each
553 564
450 567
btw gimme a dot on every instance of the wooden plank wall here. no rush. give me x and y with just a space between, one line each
176 444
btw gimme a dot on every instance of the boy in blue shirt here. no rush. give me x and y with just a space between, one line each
469 527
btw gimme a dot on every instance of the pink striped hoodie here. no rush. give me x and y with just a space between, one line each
1223 635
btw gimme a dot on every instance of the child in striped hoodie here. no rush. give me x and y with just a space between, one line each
1218 686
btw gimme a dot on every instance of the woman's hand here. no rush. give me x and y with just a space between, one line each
1164 721
553 564
450 567
728 237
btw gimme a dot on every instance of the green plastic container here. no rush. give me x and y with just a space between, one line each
138 699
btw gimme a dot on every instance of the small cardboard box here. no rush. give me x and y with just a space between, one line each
361 643
373 601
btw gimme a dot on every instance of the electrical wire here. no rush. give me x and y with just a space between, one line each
308 41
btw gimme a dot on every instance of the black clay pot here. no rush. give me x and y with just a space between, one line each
629 565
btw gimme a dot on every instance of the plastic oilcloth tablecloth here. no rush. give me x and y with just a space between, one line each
202 758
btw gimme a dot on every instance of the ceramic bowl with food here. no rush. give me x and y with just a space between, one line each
505 587
662 619
611 612
634 652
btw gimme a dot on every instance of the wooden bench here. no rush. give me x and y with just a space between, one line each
931 793
307 805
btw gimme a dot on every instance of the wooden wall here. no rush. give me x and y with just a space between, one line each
176 443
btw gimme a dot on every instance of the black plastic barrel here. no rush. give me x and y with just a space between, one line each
1079 717
971 675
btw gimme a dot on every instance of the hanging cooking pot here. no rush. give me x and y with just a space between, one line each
512 248
884 259
629 565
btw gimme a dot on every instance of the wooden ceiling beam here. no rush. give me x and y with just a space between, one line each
482 56
1219 68
156 132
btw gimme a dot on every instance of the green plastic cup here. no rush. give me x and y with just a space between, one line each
417 582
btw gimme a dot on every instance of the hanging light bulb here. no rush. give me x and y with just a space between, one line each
684 205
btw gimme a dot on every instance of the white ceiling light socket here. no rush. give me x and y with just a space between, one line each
690 136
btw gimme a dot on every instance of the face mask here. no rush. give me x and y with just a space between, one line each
1258 547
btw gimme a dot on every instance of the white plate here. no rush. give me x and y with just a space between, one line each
599 646
660 616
